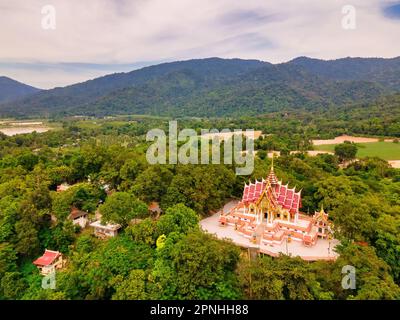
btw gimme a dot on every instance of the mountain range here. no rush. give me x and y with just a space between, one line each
11 90
213 87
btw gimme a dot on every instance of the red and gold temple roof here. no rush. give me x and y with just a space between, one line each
287 198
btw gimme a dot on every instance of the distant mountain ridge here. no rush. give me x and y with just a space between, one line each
11 89
219 87
383 71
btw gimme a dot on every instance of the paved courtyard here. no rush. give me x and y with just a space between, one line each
323 250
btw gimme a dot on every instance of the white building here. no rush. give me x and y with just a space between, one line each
105 230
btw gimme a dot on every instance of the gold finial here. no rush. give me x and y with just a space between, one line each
322 208
272 161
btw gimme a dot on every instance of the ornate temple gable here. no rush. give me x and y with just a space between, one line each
252 191
321 216
267 199
321 221
277 193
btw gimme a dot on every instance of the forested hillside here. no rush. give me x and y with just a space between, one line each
383 71
218 87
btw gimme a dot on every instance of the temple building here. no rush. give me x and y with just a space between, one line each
269 214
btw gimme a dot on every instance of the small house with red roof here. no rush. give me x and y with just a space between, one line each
154 208
49 262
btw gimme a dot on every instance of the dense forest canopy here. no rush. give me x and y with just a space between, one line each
167 256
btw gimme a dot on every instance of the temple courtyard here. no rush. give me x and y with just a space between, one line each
322 250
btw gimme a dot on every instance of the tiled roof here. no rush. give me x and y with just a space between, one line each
277 192
155 207
76 213
272 179
47 258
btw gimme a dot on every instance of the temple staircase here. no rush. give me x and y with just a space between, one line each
259 232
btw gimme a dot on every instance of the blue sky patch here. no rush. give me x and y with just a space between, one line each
392 11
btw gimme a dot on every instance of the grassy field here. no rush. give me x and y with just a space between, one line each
383 150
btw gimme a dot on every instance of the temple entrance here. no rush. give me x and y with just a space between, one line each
266 216
284 215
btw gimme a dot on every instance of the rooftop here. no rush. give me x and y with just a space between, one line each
155 207
287 198
76 213
47 258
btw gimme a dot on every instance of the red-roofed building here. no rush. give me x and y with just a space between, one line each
154 208
49 261
272 208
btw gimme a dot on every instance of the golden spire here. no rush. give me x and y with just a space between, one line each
272 177
272 161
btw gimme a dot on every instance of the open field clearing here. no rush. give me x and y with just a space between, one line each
22 130
344 138
384 150
11 128
395 163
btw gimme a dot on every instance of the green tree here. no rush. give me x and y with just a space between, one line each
83 196
12 285
346 151
178 218
8 258
59 237
122 207
132 288
195 266
258 281
27 242
387 242
144 232
200 187
152 183
352 218
372 275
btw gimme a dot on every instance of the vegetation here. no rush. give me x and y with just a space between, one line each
167 256
346 151
219 87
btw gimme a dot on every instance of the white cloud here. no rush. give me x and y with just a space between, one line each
122 31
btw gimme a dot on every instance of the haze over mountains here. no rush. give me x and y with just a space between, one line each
214 87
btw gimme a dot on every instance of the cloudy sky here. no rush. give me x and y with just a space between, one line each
97 37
